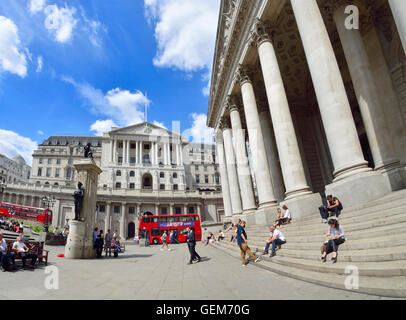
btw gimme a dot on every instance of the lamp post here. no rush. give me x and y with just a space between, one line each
49 201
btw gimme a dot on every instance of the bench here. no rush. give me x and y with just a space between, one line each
33 247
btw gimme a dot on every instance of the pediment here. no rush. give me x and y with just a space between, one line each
144 129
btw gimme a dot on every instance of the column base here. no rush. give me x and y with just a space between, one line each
394 175
77 246
266 215
360 188
303 206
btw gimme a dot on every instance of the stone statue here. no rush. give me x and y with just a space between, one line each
88 151
78 195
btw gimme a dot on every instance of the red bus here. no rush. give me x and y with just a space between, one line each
23 212
153 226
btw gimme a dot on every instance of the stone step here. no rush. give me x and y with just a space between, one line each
360 244
382 286
366 255
323 228
385 230
371 214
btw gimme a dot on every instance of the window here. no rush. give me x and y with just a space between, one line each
69 173
191 210
217 179
162 186
177 210
40 160
132 146
164 210
146 219
146 147
186 218
196 167
206 179
175 175
162 175
132 174
132 160
132 185
182 231
120 160
70 161
118 173
173 219
195 218
118 185
197 178
49 161
116 209
38 183
57 173
102 208
58 161
154 219
39 172
131 210
154 232
48 174
175 187
163 219
120 145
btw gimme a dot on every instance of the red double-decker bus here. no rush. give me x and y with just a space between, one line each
23 212
153 227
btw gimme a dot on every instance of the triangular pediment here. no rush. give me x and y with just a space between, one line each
144 129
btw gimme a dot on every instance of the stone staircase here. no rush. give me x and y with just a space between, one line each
376 245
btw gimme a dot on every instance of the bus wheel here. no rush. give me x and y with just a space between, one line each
155 241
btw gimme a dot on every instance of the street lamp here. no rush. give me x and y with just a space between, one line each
48 201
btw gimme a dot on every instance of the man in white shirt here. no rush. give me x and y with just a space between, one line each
19 247
6 257
278 239
269 241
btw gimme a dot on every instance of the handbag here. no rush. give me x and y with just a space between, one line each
323 247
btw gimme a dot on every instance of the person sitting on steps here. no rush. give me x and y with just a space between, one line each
277 240
333 205
336 235
269 241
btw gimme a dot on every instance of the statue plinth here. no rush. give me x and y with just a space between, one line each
79 244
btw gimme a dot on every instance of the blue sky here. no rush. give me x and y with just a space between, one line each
79 67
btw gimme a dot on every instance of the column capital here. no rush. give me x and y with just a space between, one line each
244 74
233 103
263 31
225 123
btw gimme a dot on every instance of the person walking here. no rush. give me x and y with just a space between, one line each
107 242
164 243
191 242
172 237
243 244
99 244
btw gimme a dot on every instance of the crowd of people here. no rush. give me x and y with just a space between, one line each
11 225
109 242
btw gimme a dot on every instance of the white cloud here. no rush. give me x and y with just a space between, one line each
40 132
12 144
102 126
60 21
12 57
36 5
199 132
40 63
159 124
185 32
122 106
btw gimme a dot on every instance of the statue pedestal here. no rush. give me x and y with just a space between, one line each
79 244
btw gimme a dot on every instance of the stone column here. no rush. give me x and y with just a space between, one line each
115 151
266 195
111 150
225 188
345 149
180 155
235 194
107 224
123 221
286 141
128 151
243 169
156 208
399 12
136 152
124 152
185 209
171 209
372 113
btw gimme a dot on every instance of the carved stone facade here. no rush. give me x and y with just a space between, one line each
330 99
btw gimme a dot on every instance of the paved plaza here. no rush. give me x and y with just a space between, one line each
148 273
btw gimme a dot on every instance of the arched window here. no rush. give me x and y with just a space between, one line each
56 184
118 173
132 174
47 183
